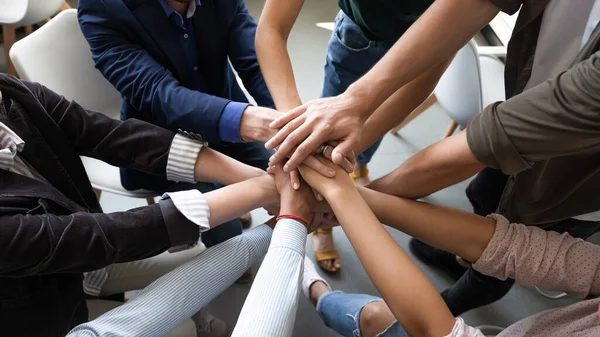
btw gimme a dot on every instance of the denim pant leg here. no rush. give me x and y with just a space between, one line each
341 312
350 54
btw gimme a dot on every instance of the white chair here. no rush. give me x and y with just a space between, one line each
58 56
18 13
472 81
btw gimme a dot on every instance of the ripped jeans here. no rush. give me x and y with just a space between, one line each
341 312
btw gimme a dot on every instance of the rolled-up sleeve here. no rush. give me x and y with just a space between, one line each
182 159
559 117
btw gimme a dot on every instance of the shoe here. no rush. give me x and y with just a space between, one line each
437 258
245 278
208 325
310 276
325 255
246 220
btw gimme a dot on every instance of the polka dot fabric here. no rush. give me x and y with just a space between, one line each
553 261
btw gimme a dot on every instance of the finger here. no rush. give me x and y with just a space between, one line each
346 164
309 144
284 132
291 148
320 167
287 117
344 148
271 170
295 179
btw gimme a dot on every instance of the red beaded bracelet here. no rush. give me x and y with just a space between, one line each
293 217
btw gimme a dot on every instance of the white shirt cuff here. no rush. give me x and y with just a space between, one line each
182 158
193 206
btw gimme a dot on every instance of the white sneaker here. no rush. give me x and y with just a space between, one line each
310 276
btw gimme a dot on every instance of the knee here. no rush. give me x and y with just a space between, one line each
375 317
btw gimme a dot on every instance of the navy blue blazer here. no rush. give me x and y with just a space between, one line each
132 45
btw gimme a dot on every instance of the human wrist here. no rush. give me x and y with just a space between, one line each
254 124
360 99
269 195
292 205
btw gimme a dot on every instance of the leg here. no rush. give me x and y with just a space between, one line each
351 314
348 314
10 37
450 130
99 307
474 290
415 113
135 275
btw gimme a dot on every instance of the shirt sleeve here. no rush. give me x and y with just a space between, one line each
182 158
535 257
193 206
176 296
270 308
557 118
229 124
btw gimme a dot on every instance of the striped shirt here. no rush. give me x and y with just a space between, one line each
280 276
176 296
180 167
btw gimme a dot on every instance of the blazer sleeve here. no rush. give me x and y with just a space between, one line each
132 144
242 54
556 118
144 83
80 242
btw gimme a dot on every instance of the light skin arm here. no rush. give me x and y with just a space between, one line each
427 43
438 166
396 108
427 314
274 27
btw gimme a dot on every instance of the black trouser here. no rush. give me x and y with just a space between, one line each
474 289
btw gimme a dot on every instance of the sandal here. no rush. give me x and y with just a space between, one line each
362 174
321 256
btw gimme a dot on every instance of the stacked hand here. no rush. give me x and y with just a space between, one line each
303 131
299 202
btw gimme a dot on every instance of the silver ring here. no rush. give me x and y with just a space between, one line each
323 149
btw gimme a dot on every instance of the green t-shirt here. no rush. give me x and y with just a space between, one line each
384 20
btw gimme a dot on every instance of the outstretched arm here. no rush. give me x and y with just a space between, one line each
427 314
276 22
445 27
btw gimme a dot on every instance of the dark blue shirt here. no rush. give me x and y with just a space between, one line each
229 124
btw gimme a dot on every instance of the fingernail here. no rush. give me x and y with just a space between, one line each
331 173
296 186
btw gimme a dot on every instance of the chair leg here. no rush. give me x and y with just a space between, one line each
150 201
98 193
415 113
28 29
10 38
450 130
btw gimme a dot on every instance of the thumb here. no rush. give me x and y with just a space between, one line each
344 148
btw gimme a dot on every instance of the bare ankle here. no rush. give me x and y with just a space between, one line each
317 289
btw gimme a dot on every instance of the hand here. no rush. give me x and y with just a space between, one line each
326 186
254 125
297 202
317 122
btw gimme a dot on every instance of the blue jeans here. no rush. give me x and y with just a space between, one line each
341 312
350 54
253 154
